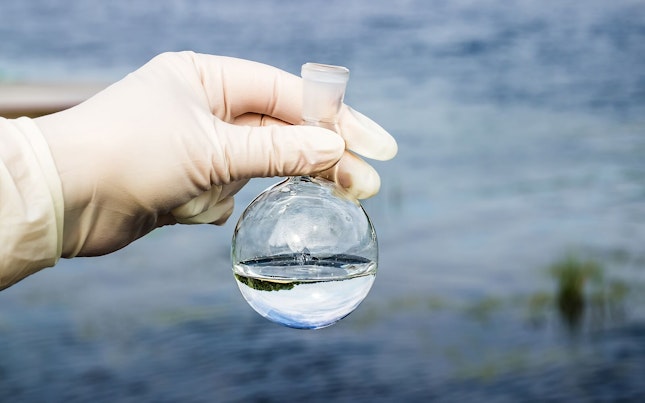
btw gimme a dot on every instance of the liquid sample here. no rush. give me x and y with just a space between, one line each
302 291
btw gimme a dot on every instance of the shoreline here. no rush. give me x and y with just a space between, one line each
38 99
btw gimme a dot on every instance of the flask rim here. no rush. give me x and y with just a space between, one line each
325 73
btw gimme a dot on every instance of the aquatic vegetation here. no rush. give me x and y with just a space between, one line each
572 275
583 291
262 285
482 309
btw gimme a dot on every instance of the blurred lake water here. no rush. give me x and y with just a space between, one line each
511 224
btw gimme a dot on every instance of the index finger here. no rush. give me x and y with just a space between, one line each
236 86
364 136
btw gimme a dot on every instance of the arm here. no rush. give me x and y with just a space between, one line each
31 202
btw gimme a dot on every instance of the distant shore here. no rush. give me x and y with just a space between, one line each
37 99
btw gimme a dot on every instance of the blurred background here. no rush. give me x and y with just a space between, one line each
511 223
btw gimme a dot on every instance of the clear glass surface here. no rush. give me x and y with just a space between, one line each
304 253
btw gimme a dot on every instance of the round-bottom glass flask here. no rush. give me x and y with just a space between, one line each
304 253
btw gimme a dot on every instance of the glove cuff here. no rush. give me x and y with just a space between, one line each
31 202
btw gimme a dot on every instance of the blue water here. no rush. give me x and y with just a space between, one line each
521 129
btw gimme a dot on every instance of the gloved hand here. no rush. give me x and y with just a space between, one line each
176 139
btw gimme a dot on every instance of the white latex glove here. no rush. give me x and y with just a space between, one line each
173 141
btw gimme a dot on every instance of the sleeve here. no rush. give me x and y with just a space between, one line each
31 202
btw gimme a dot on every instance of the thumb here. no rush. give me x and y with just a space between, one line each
276 150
